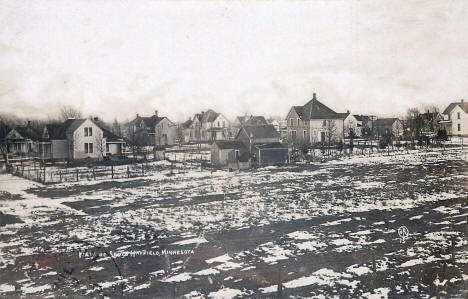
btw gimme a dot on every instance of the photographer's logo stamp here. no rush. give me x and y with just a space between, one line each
403 232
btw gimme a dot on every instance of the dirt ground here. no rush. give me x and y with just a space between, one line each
310 230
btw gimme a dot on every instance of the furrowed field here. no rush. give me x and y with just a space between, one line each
311 230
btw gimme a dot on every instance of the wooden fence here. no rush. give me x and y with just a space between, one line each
59 175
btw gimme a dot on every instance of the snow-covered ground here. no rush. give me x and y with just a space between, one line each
311 230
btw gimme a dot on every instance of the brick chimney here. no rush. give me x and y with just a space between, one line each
462 101
138 115
156 113
314 97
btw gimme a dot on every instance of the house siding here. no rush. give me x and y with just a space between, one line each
273 156
463 121
79 139
59 149
165 133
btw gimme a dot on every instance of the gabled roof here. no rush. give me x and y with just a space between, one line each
229 144
187 124
363 118
149 121
314 109
70 125
385 122
110 137
264 131
252 120
28 132
152 120
343 115
209 116
50 128
463 106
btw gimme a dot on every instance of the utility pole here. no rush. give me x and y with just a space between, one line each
372 117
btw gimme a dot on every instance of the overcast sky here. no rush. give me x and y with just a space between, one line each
118 58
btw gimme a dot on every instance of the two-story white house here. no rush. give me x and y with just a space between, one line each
314 123
456 118
206 126
77 139
153 130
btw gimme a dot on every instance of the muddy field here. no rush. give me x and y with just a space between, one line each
312 230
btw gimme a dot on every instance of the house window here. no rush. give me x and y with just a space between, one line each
86 145
459 127
107 147
88 131
324 123
237 155
293 133
458 115
88 148
304 134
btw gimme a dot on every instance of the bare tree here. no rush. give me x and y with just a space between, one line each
137 142
100 142
414 121
67 112
330 132
116 128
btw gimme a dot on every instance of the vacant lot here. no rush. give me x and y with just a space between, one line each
315 230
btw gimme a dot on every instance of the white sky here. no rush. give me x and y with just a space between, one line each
118 58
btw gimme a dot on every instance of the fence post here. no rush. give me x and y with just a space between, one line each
77 175
112 170
60 175
142 169
44 174
128 171
94 174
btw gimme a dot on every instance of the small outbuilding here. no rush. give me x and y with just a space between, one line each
274 153
224 153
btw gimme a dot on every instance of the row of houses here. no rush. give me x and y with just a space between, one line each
254 138
73 139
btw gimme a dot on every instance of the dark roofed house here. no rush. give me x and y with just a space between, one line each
23 139
153 130
309 123
78 139
392 126
263 144
364 125
456 118
247 120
